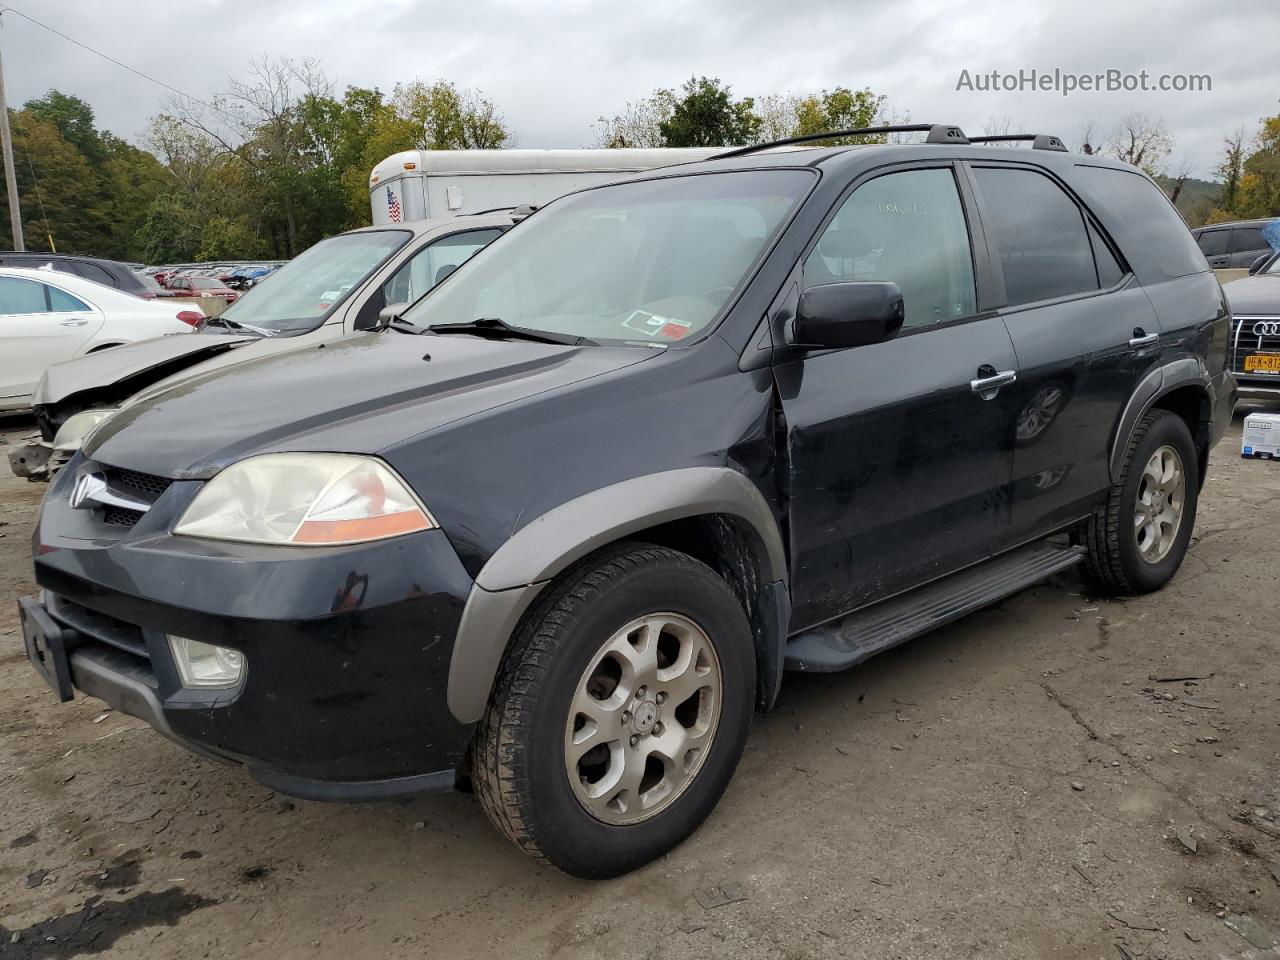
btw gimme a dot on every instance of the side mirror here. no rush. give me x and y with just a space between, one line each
853 314
1259 263
390 312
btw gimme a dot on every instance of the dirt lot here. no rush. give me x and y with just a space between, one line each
1016 785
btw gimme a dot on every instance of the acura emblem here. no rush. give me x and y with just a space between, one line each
1267 328
86 490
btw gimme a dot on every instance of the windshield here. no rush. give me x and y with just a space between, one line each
303 291
648 262
203 283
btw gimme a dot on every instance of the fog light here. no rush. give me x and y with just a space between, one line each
206 664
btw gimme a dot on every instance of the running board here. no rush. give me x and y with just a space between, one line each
845 643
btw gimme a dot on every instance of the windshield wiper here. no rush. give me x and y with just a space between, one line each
237 325
497 329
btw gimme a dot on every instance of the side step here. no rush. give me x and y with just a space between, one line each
845 643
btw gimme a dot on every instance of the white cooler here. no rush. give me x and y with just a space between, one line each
1261 436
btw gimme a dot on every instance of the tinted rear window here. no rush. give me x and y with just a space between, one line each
1143 220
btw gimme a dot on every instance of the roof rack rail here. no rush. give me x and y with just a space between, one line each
1039 141
938 133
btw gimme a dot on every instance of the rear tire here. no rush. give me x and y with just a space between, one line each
1137 539
574 757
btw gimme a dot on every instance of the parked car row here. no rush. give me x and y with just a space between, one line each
548 504
235 276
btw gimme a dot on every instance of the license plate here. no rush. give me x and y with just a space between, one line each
46 647
1262 363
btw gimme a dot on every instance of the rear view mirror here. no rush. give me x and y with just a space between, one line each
1259 263
853 314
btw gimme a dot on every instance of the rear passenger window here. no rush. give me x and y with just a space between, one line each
1109 270
1040 235
906 227
18 296
1244 239
1213 243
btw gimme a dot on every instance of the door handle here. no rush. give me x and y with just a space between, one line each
74 323
988 386
1141 339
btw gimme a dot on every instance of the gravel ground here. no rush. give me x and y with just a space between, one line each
1015 785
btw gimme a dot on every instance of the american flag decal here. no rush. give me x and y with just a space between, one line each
393 206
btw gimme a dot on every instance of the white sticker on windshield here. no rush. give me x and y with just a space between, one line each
656 325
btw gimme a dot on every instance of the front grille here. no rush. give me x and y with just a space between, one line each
98 626
145 485
121 516
1253 336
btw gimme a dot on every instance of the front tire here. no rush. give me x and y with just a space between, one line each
1138 538
619 714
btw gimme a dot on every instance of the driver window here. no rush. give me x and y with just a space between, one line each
433 263
908 227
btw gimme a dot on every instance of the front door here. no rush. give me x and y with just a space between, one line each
39 325
900 452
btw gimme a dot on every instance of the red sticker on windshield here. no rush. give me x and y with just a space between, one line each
673 330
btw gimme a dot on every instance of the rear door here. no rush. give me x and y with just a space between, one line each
1247 245
39 325
1085 333
899 463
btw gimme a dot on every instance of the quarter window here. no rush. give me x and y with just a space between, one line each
1040 234
19 296
62 302
908 227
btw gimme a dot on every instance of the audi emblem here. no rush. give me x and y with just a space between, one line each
1266 328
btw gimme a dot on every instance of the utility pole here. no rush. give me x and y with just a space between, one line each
10 179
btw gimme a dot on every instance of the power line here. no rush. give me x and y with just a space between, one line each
35 182
145 76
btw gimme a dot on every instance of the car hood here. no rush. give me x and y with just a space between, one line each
1254 295
360 394
108 367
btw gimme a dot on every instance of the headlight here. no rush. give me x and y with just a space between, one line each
305 499
206 664
73 433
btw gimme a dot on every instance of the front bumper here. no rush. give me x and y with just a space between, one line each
348 648
1258 388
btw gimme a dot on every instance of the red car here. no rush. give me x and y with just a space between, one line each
202 287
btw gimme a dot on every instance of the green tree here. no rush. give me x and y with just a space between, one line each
61 202
74 120
842 109
706 115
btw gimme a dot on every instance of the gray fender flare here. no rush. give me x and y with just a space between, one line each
518 571
1163 380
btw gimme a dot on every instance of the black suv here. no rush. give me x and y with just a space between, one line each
561 527
110 273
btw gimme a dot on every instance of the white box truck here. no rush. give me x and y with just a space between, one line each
434 184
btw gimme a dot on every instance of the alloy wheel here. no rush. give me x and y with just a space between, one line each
643 718
1158 512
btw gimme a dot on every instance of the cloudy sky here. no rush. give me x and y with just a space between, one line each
554 67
